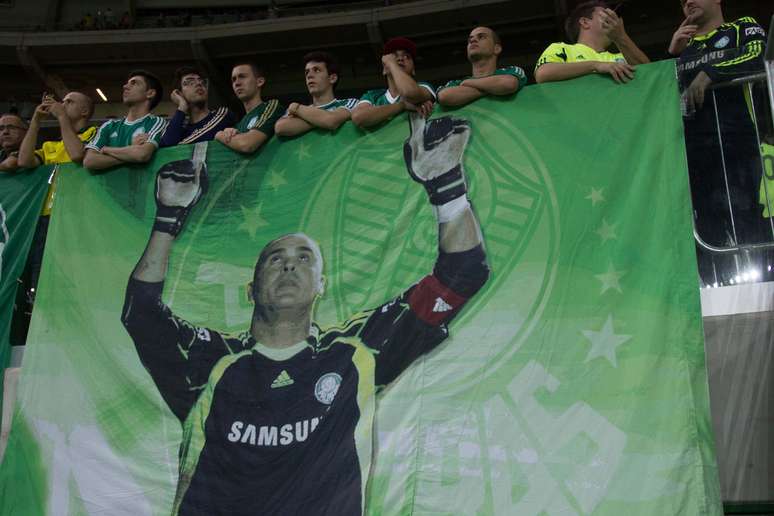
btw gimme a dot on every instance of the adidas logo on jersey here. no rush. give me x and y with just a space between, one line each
441 305
282 380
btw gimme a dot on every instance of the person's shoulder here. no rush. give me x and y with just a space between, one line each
111 122
87 133
453 82
749 27
372 95
511 70
349 103
745 20
348 328
270 108
220 112
556 46
554 53
338 104
223 116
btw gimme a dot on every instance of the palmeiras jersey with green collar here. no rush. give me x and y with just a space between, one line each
383 97
262 117
288 434
515 71
120 133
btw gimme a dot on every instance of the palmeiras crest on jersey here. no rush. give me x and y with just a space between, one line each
326 387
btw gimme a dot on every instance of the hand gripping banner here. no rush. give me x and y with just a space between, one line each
492 312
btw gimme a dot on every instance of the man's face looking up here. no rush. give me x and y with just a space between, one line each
75 105
318 80
135 90
288 273
481 44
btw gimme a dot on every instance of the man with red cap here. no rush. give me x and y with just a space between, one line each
403 92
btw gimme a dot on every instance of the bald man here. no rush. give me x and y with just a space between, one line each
73 115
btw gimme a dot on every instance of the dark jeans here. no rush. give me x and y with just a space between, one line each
28 285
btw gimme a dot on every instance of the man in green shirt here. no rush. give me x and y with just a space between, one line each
321 70
134 138
403 92
484 47
593 28
257 126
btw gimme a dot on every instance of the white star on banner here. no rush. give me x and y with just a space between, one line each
277 178
607 231
604 342
610 279
253 220
303 151
596 196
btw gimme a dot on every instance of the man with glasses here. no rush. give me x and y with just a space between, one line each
403 92
193 120
12 131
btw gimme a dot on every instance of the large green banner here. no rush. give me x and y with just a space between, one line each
21 196
573 382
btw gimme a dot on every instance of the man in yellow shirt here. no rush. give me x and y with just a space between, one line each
73 115
593 28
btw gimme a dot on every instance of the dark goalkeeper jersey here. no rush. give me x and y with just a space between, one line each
732 51
294 436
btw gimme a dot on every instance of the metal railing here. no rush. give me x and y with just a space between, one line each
735 246
732 199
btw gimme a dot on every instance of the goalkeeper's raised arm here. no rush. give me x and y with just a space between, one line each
434 158
433 154
179 186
